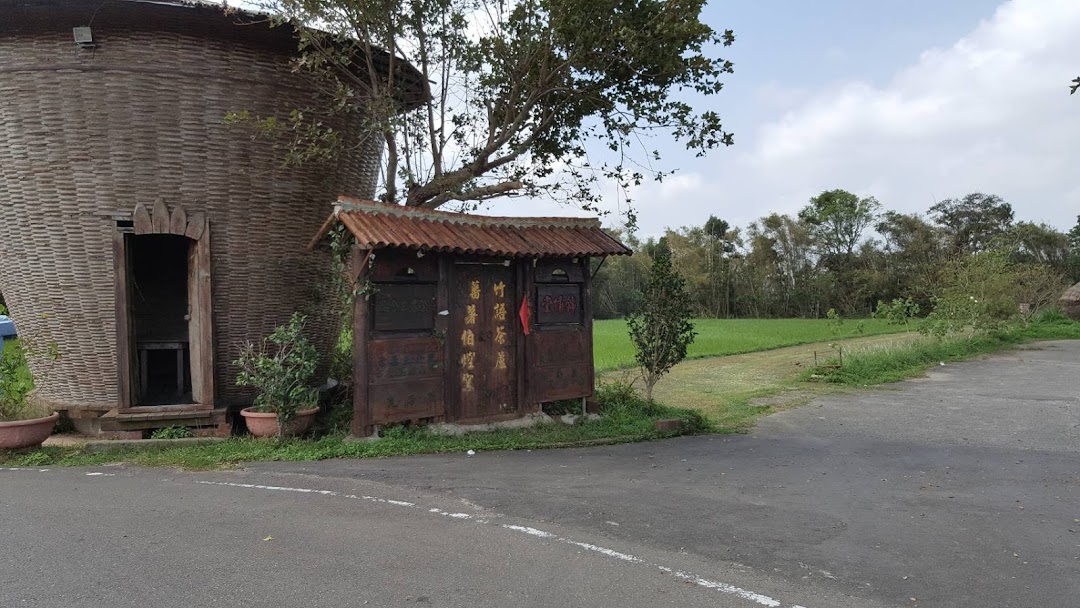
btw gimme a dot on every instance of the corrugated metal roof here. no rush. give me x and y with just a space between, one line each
378 225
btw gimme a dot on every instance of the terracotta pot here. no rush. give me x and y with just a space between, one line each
26 433
262 424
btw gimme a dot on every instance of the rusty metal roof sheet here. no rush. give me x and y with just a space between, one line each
377 225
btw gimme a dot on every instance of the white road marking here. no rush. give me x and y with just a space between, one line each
764 600
101 474
448 514
607 552
528 530
25 469
399 503
758 598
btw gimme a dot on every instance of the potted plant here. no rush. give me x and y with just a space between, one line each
24 421
281 369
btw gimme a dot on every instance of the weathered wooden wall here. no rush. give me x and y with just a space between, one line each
439 337
560 347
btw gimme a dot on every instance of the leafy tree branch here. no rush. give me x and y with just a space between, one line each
475 99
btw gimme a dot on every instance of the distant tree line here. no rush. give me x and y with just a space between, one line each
842 252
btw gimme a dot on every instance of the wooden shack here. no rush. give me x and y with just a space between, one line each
465 318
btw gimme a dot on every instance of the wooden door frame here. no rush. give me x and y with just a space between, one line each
196 228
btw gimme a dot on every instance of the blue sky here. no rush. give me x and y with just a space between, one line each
911 102
807 43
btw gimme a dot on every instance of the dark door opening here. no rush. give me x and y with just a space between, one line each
160 314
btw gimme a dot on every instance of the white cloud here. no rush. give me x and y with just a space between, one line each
989 113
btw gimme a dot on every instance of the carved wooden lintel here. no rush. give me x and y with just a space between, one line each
162 221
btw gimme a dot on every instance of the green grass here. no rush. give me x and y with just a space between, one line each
626 418
733 392
865 367
612 348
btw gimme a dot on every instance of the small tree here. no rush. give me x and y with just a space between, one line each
281 368
662 331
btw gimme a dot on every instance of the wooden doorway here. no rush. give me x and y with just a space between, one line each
163 314
483 342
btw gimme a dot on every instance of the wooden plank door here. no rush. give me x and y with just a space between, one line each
483 342
200 322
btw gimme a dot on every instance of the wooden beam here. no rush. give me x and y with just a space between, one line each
591 405
362 425
142 220
124 361
196 226
178 220
523 286
325 228
202 307
161 217
442 328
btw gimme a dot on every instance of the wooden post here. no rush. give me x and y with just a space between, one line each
362 425
591 406
523 268
442 328
201 322
123 323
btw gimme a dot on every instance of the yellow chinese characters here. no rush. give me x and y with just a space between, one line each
500 360
467 382
500 335
468 360
500 311
468 338
500 289
470 314
474 290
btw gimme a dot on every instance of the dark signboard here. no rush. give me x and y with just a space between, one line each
558 303
404 306
405 379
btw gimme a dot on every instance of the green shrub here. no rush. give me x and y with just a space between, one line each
172 432
836 322
281 369
620 401
897 312
562 407
340 415
16 380
1051 316
986 291
891 363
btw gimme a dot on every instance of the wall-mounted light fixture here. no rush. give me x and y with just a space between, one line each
83 37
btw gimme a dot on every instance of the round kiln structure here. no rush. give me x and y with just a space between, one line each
90 131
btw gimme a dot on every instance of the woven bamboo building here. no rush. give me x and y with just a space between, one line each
140 232
1070 302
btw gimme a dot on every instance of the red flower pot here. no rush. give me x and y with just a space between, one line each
22 434
265 424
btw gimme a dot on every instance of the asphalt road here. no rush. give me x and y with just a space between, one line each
961 489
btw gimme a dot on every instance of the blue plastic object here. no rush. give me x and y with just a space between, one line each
7 328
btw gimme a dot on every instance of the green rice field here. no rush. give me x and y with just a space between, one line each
612 348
